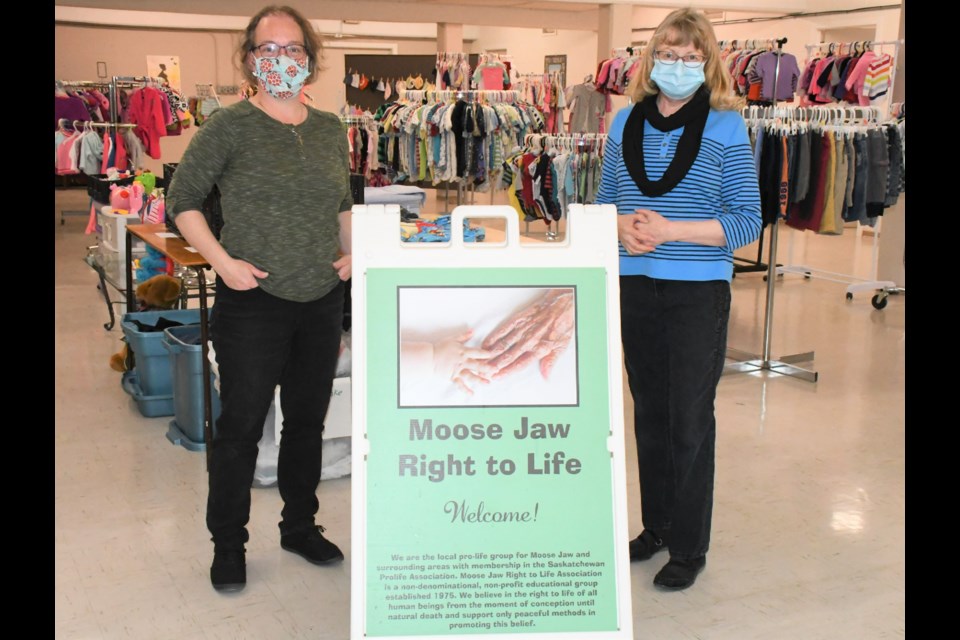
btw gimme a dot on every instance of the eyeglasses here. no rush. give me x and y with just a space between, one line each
689 60
272 50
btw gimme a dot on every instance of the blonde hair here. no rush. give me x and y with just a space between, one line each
311 41
687 27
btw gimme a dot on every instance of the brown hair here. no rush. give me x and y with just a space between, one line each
685 27
311 41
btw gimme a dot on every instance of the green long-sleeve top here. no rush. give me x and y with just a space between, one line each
281 188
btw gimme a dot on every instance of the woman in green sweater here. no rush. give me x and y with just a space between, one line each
281 259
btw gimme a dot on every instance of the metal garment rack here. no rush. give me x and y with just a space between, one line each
447 95
578 143
865 45
869 116
748 362
746 265
111 86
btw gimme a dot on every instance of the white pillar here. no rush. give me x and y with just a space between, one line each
449 37
890 258
614 29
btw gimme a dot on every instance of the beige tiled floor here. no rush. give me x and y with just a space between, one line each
808 537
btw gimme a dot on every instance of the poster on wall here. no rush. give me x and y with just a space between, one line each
491 498
166 69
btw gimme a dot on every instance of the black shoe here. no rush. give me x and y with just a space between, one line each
645 545
312 545
229 570
680 574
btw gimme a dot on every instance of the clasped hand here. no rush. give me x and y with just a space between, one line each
642 231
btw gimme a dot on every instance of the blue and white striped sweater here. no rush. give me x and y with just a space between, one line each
721 184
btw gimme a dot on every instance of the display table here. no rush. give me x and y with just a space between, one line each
175 248
110 270
411 198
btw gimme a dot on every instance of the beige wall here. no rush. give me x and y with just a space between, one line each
527 48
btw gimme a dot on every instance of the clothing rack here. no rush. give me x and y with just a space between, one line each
630 51
573 142
750 44
748 362
747 265
111 87
841 116
446 95
864 45
80 124
357 119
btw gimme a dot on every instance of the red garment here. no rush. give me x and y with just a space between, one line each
526 193
146 111
808 213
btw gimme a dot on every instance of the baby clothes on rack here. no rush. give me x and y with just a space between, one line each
550 172
818 176
786 77
453 140
615 73
149 109
453 71
587 108
491 74
69 107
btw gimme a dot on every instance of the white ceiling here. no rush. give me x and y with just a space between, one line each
376 9
423 14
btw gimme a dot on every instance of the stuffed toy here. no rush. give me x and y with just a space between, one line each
152 263
159 293
148 180
127 199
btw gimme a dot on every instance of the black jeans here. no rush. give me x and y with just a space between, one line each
674 342
262 341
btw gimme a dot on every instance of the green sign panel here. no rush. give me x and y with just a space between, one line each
489 479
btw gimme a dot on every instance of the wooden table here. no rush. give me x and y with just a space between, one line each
176 250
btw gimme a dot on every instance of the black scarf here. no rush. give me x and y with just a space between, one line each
691 116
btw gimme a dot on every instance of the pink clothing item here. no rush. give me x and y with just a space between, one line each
107 149
120 160
146 111
603 74
492 78
67 155
167 111
615 65
856 77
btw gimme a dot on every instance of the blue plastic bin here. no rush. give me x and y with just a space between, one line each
149 406
151 361
186 364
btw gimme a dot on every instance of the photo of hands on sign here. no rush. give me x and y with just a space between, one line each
516 352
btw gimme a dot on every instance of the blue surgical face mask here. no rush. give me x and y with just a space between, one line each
677 81
282 77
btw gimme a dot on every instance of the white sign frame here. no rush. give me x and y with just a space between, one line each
591 241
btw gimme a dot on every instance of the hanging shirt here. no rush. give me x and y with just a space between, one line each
789 75
91 153
146 111
70 108
855 78
588 106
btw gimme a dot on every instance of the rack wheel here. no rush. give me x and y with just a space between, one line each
879 301
849 296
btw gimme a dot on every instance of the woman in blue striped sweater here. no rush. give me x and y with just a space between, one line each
679 168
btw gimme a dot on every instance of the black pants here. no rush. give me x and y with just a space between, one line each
262 341
674 342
